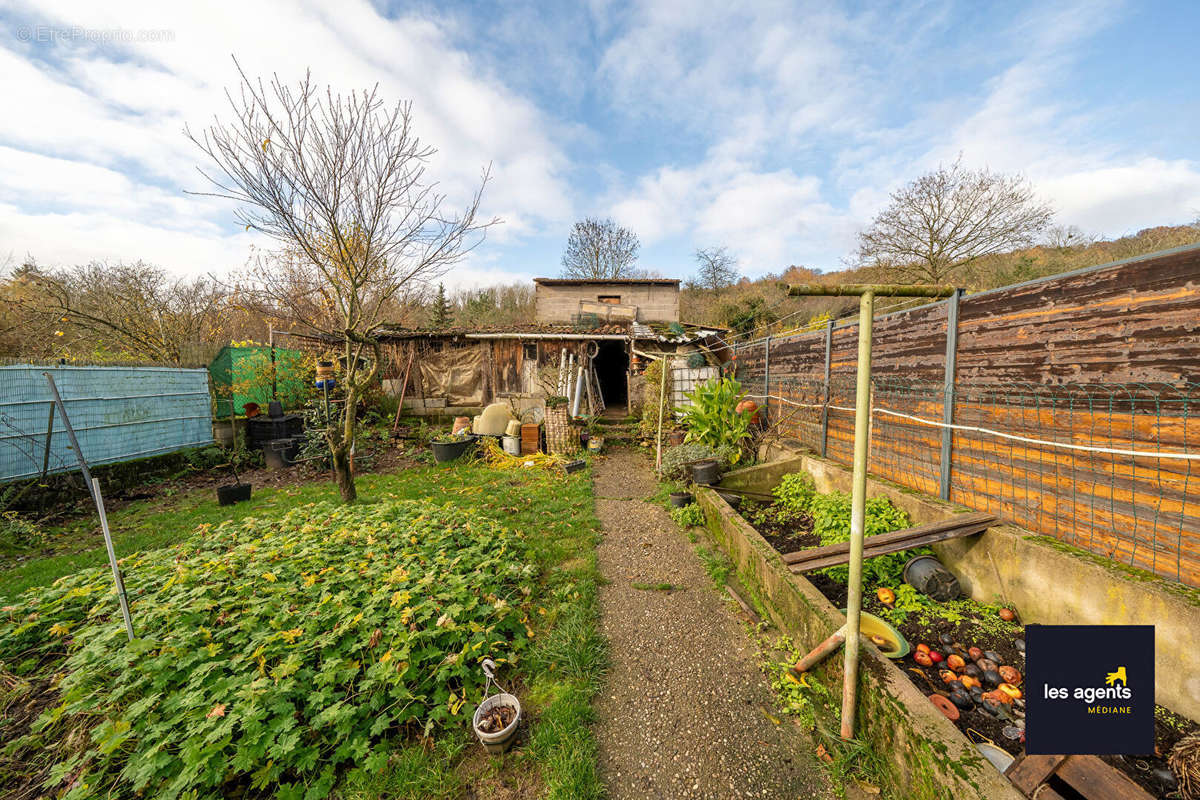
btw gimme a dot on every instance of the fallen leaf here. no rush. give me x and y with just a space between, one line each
217 711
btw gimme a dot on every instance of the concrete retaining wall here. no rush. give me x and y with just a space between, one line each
927 757
1046 581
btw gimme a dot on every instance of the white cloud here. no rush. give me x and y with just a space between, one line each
104 126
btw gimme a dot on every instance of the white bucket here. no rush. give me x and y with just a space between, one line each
511 445
497 743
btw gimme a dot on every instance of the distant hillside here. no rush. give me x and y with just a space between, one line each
750 305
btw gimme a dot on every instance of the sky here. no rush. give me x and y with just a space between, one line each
775 129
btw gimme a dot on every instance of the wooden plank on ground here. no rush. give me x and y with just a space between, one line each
894 547
1093 778
1029 772
951 525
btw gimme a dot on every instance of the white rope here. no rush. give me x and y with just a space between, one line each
977 429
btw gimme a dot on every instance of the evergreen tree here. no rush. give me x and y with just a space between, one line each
441 313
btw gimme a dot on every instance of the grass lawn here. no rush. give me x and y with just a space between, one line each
556 678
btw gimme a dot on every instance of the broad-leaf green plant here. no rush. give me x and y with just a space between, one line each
713 418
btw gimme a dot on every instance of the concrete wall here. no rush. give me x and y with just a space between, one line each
1045 580
655 302
928 758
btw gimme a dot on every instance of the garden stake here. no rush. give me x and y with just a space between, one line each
93 485
858 500
662 393
403 386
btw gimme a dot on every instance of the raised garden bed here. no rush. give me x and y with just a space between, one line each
926 757
968 623
786 531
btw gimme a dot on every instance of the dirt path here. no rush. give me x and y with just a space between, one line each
684 712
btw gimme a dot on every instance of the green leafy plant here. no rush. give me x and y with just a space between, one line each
831 522
713 419
689 516
796 492
452 438
276 653
677 461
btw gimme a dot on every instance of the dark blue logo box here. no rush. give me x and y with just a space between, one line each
1089 689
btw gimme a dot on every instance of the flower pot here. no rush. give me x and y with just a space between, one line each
595 443
681 499
233 493
448 451
706 473
511 445
497 743
927 575
675 438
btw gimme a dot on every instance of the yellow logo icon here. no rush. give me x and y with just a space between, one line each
1119 675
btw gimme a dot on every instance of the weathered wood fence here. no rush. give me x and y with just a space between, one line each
1069 405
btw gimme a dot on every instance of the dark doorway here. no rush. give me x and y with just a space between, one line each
612 370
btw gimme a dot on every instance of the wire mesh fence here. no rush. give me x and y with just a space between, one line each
1109 468
118 413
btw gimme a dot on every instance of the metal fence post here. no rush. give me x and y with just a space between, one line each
948 391
825 407
767 378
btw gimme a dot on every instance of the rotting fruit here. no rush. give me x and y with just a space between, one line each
1010 675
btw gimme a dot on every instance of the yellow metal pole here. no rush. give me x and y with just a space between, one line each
858 511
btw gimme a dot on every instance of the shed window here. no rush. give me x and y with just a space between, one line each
531 351
612 299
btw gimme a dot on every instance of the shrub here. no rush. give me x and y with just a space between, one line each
274 653
689 516
654 403
17 533
676 461
796 492
713 419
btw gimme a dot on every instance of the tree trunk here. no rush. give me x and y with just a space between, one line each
342 474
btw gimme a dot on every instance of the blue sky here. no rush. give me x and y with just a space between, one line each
776 129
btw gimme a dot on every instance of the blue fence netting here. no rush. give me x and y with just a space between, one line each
118 413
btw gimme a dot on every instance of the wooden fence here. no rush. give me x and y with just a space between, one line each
1073 407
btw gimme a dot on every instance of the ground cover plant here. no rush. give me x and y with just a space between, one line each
307 648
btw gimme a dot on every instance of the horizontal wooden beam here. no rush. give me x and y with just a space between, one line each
972 520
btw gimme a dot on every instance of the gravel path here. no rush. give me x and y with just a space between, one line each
684 712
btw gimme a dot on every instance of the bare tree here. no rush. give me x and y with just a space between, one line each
340 182
948 218
130 310
1066 237
717 268
600 248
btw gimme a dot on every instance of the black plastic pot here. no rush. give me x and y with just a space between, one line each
574 466
927 575
233 493
681 499
706 473
448 451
